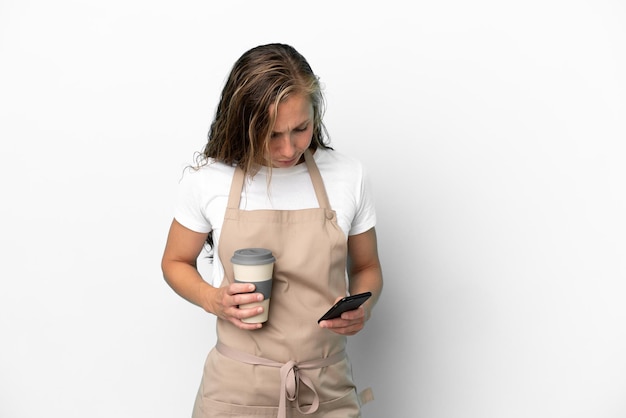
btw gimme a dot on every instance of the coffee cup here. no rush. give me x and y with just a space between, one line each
255 265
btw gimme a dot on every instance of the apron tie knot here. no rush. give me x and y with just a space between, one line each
290 375
290 378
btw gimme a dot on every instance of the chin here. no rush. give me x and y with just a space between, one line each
289 163
285 164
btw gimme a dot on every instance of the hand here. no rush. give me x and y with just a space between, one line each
227 301
349 323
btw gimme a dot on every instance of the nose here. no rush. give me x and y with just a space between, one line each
285 146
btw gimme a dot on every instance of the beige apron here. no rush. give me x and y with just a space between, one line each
290 367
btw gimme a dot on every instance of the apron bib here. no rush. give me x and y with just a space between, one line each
290 367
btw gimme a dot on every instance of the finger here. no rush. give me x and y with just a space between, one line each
355 314
237 288
336 323
351 330
244 325
240 314
245 298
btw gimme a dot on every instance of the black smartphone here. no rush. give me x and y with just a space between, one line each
348 303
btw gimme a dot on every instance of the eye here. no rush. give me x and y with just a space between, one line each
302 128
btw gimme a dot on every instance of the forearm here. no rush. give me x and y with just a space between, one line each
364 268
369 279
187 282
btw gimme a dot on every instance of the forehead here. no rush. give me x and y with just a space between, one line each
294 109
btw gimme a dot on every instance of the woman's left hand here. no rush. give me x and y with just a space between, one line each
349 323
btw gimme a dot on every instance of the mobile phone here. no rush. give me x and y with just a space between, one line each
348 303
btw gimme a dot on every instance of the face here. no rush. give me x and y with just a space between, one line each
292 132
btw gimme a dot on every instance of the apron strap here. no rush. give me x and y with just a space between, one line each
290 378
365 396
234 196
235 188
318 182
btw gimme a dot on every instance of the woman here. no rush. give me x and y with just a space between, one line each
267 178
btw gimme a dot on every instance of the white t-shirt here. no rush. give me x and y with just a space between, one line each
203 195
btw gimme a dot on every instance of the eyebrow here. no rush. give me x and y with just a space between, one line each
300 125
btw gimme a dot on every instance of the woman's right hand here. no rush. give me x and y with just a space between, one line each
179 269
226 303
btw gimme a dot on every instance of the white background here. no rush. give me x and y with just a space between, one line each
494 134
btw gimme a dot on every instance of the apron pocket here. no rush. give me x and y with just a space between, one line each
207 408
345 407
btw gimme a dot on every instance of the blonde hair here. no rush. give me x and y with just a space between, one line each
260 79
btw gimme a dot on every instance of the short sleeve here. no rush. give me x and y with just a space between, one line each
365 214
189 207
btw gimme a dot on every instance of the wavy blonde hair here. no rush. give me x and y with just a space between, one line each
260 79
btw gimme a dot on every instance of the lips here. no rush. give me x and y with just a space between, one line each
287 163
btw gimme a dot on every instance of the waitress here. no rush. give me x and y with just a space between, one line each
268 178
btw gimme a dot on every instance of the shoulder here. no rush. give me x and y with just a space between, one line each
202 191
337 161
211 179
343 174
212 171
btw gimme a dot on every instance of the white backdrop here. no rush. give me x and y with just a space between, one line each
494 134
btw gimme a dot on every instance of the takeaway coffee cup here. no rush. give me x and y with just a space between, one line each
255 265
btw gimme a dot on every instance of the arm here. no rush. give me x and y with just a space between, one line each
180 272
364 274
